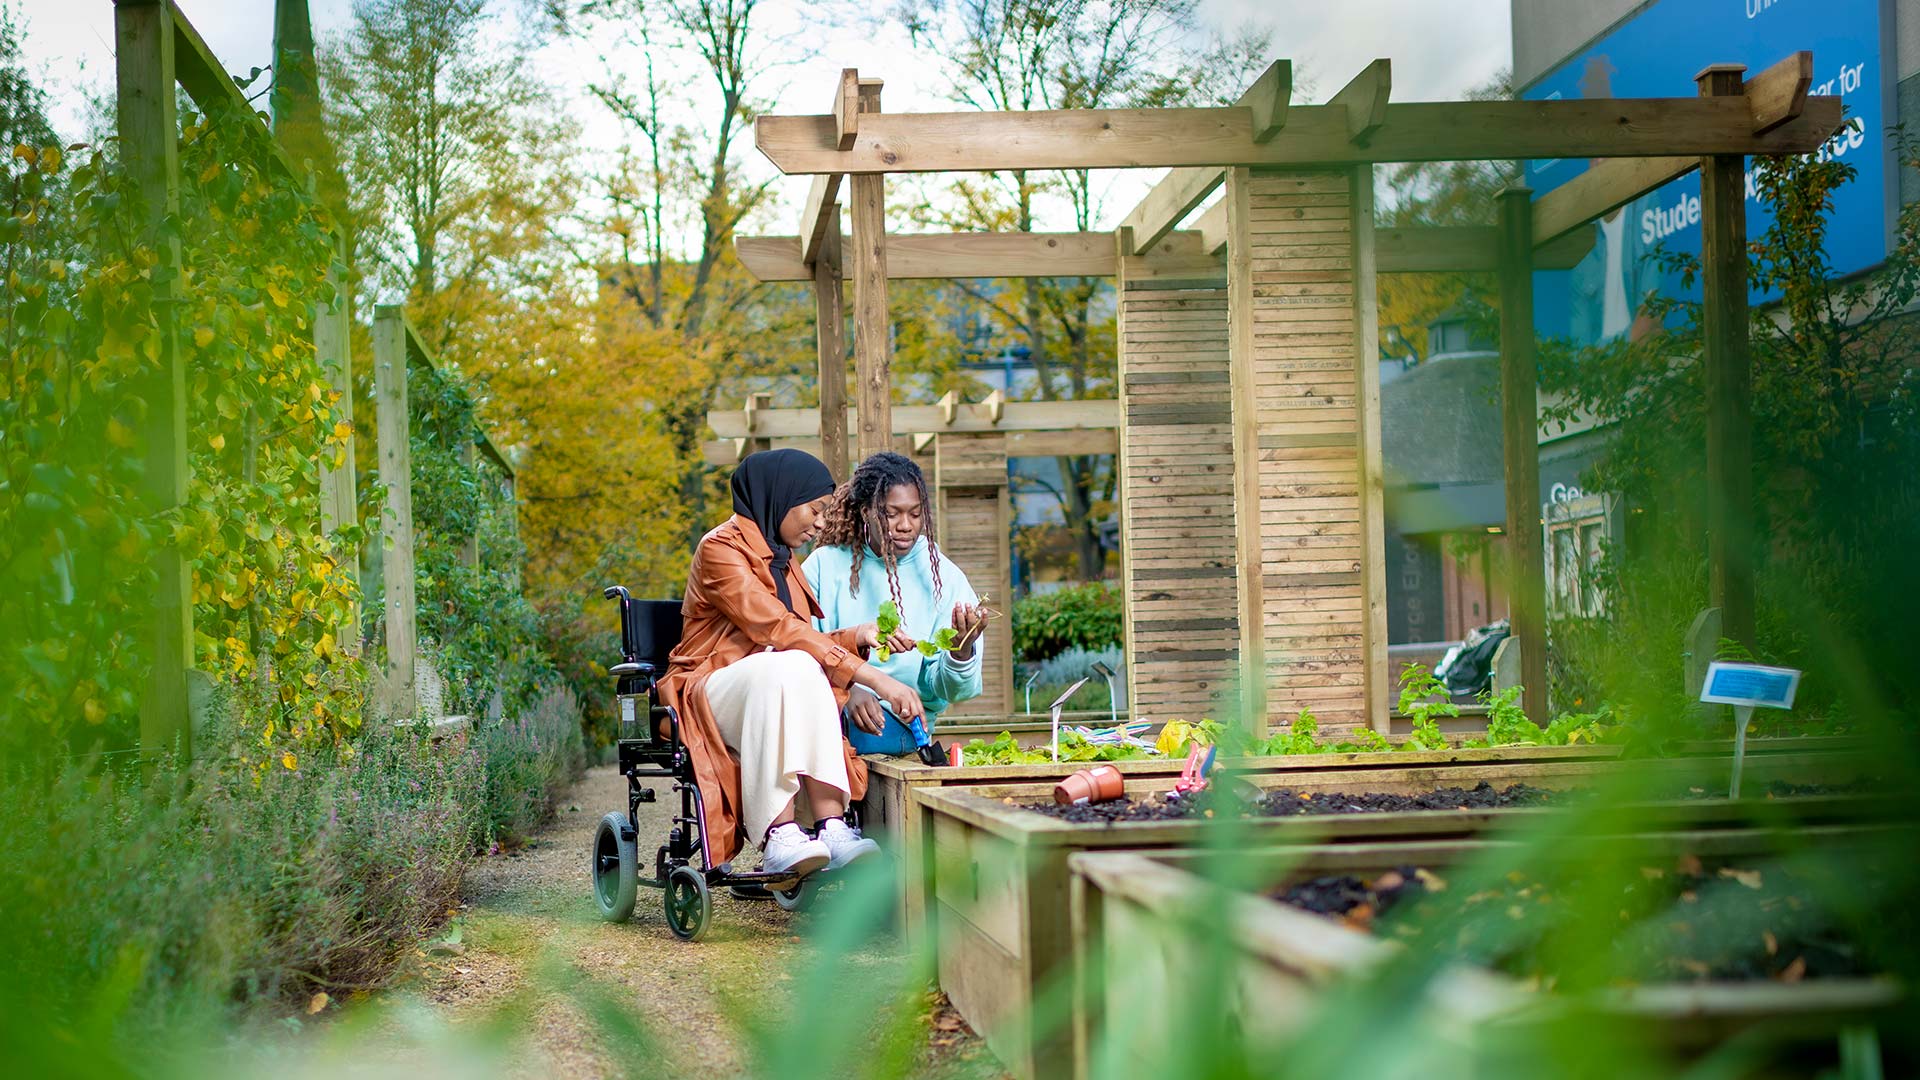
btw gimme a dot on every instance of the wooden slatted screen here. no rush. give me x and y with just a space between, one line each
1305 395
1176 495
975 531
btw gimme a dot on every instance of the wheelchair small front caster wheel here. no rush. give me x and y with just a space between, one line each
616 870
798 898
689 905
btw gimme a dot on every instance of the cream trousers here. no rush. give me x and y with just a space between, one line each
777 712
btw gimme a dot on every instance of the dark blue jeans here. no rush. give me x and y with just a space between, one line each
895 738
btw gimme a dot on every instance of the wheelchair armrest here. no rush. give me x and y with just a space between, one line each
626 669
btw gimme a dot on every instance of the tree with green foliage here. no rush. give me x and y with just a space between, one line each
1836 448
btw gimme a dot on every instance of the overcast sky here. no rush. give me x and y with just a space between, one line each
1439 49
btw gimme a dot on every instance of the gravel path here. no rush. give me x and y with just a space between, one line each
532 951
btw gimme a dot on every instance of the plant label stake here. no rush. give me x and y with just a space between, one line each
1747 687
1058 704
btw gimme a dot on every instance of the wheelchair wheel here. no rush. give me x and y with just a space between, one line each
689 905
798 898
615 869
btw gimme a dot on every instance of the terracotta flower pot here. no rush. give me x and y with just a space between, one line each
1098 784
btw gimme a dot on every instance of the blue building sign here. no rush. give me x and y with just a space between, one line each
1657 53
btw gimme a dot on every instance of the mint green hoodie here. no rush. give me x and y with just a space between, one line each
940 679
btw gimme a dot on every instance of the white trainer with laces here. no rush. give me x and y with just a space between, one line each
844 842
789 850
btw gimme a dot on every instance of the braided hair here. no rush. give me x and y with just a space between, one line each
857 519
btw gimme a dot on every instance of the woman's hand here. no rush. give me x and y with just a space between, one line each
863 709
969 620
869 639
901 698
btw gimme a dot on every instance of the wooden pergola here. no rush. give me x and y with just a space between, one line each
1247 421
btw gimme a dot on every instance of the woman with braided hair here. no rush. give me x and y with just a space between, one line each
878 545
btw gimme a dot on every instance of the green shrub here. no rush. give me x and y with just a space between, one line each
527 760
1085 616
134 910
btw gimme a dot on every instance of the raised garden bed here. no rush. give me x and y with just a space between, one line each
995 874
1768 962
889 814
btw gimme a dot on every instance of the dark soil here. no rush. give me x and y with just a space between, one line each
1246 801
1675 923
1287 802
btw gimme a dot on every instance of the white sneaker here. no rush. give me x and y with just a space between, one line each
845 842
789 850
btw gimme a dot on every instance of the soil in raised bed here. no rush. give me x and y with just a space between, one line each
1286 802
1677 922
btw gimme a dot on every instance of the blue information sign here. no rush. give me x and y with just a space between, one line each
1657 53
1751 685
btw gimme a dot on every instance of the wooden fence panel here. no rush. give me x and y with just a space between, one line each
1176 488
975 526
1306 420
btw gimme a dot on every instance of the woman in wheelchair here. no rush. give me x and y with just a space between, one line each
878 545
759 690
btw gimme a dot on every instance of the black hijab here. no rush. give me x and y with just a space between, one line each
768 484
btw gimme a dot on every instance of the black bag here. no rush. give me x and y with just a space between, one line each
1469 668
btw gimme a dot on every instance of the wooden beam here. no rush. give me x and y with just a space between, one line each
821 213
1520 440
947 256
1779 108
144 41
1171 200
830 351
210 87
846 107
726 453
1723 327
872 325
1365 101
1315 135
1248 556
1457 249
1779 93
1269 97
1175 196
390 353
1089 415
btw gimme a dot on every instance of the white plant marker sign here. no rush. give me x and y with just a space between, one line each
1058 704
1747 687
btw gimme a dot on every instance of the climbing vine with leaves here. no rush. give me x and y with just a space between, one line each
481 633
272 595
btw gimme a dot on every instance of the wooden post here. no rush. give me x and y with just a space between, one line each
1375 670
872 349
1520 438
1246 453
831 343
1723 323
396 526
149 146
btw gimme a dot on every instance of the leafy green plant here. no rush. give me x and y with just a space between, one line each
1507 722
945 639
271 593
1005 750
1418 689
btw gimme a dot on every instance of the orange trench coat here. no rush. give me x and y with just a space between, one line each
731 610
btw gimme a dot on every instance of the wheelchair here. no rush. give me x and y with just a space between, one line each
649 748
